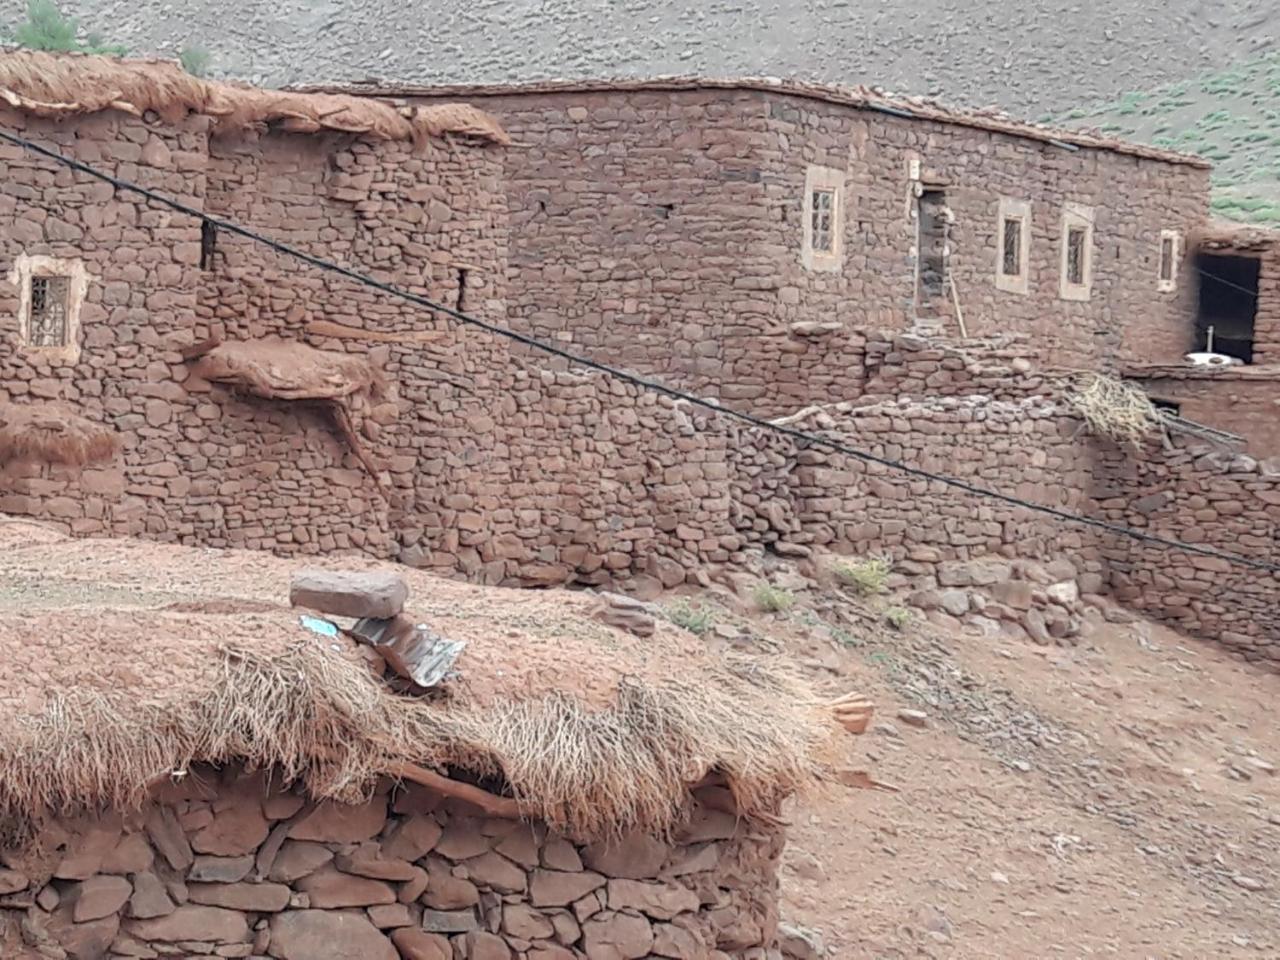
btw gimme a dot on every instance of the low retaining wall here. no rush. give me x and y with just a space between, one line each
1227 501
241 870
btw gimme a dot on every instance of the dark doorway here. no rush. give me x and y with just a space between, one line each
1228 304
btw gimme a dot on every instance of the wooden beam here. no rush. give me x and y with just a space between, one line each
340 331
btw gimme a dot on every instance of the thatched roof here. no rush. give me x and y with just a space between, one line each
125 660
66 84
53 433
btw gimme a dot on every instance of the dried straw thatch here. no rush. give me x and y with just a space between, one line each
288 370
590 728
51 433
59 84
1114 408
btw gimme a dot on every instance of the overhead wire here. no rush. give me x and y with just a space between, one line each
654 386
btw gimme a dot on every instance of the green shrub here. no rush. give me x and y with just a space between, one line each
696 618
195 60
867 576
47 29
773 599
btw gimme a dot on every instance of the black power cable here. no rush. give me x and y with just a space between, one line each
809 439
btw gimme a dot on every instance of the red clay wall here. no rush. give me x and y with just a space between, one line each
232 868
1240 400
662 231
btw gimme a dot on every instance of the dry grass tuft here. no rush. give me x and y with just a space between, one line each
1113 408
63 84
49 433
319 716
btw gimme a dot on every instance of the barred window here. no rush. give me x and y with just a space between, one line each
1167 277
1076 237
50 303
1012 262
823 213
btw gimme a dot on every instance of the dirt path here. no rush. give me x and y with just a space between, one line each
1112 800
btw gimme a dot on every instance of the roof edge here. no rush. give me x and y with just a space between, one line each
861 97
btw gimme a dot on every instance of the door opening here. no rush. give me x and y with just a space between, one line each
1228 304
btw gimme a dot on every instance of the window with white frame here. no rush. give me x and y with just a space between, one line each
1076 281
1013 246
823 218
1167 275
50 294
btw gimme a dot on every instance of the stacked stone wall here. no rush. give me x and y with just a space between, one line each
226 866
1229 502
663 230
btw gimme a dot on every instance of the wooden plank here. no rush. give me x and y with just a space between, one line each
340 331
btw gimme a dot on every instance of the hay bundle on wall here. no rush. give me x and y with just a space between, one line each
51 433
288 370
589 728
64 84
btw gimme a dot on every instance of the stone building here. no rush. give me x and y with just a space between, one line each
210 779
742 237
1235 274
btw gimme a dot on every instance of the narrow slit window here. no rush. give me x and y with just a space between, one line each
1076 278
824 205
1167 277
1076 237
1012 261
50 303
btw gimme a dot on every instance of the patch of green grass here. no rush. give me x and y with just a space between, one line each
47 29
867 576
195 60
773 599
697 618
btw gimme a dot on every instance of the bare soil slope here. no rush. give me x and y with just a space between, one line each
1030 57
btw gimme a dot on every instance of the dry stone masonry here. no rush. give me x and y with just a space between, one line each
225 865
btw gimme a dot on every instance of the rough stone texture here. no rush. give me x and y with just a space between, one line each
513 907
335 935
354 594
688 180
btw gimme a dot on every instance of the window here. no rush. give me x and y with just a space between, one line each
933 224
823 219
49 303
823 204
1167 278
50 292
1013 246
1077 253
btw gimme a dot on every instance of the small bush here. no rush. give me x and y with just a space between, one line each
696 618
867 576
47 29
773 599
899 617
195 60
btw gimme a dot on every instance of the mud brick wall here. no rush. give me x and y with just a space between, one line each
1241 400
1230 502
240 869
663 230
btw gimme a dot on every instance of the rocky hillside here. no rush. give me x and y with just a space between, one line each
1035 57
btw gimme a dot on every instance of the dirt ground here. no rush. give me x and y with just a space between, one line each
1115 799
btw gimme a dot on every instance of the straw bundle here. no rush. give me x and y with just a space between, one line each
49 433
54 85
